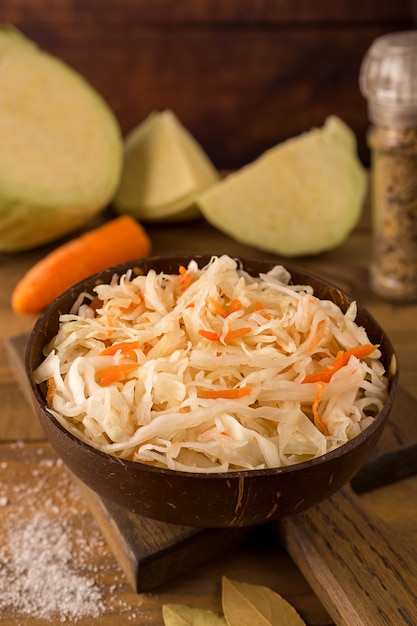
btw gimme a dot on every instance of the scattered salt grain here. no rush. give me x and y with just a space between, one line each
37 577
54 561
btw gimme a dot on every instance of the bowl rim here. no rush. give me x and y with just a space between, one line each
120 269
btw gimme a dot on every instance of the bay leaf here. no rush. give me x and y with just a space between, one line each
245 604
182 615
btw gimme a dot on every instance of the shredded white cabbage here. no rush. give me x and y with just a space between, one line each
205 370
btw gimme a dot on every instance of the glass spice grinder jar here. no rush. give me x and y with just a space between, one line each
388 80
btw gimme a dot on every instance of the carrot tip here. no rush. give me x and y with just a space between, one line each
80 257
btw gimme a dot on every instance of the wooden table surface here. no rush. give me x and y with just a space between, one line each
260 560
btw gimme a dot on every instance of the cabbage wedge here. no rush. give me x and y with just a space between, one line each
301 197
164 169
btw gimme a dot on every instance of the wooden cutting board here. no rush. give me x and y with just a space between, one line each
151 553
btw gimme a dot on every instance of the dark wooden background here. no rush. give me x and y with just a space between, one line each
241 75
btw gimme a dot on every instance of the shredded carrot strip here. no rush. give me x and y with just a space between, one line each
109 324
211 335
229 394
125 347
115 373
185 277
237 332
235 305
219 307
133 304
51 390
317 419
259 307
230 335
340 360
127 309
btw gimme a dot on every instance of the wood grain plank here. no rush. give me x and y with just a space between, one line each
386 465
203 11
361 571
151 553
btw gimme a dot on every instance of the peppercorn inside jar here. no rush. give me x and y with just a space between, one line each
389 81
393 271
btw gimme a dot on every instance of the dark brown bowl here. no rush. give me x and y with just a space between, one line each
238 498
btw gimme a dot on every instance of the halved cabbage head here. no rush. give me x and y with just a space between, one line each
60 148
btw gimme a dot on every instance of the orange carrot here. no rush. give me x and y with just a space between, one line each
235 305
237 332
185 277
259 307
229 394
212 335
219 307
125 347
317 419
340 360
121 240
129 308
115 373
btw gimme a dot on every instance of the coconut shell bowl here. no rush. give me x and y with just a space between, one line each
232 499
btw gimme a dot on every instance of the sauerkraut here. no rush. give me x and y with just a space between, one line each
212 370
